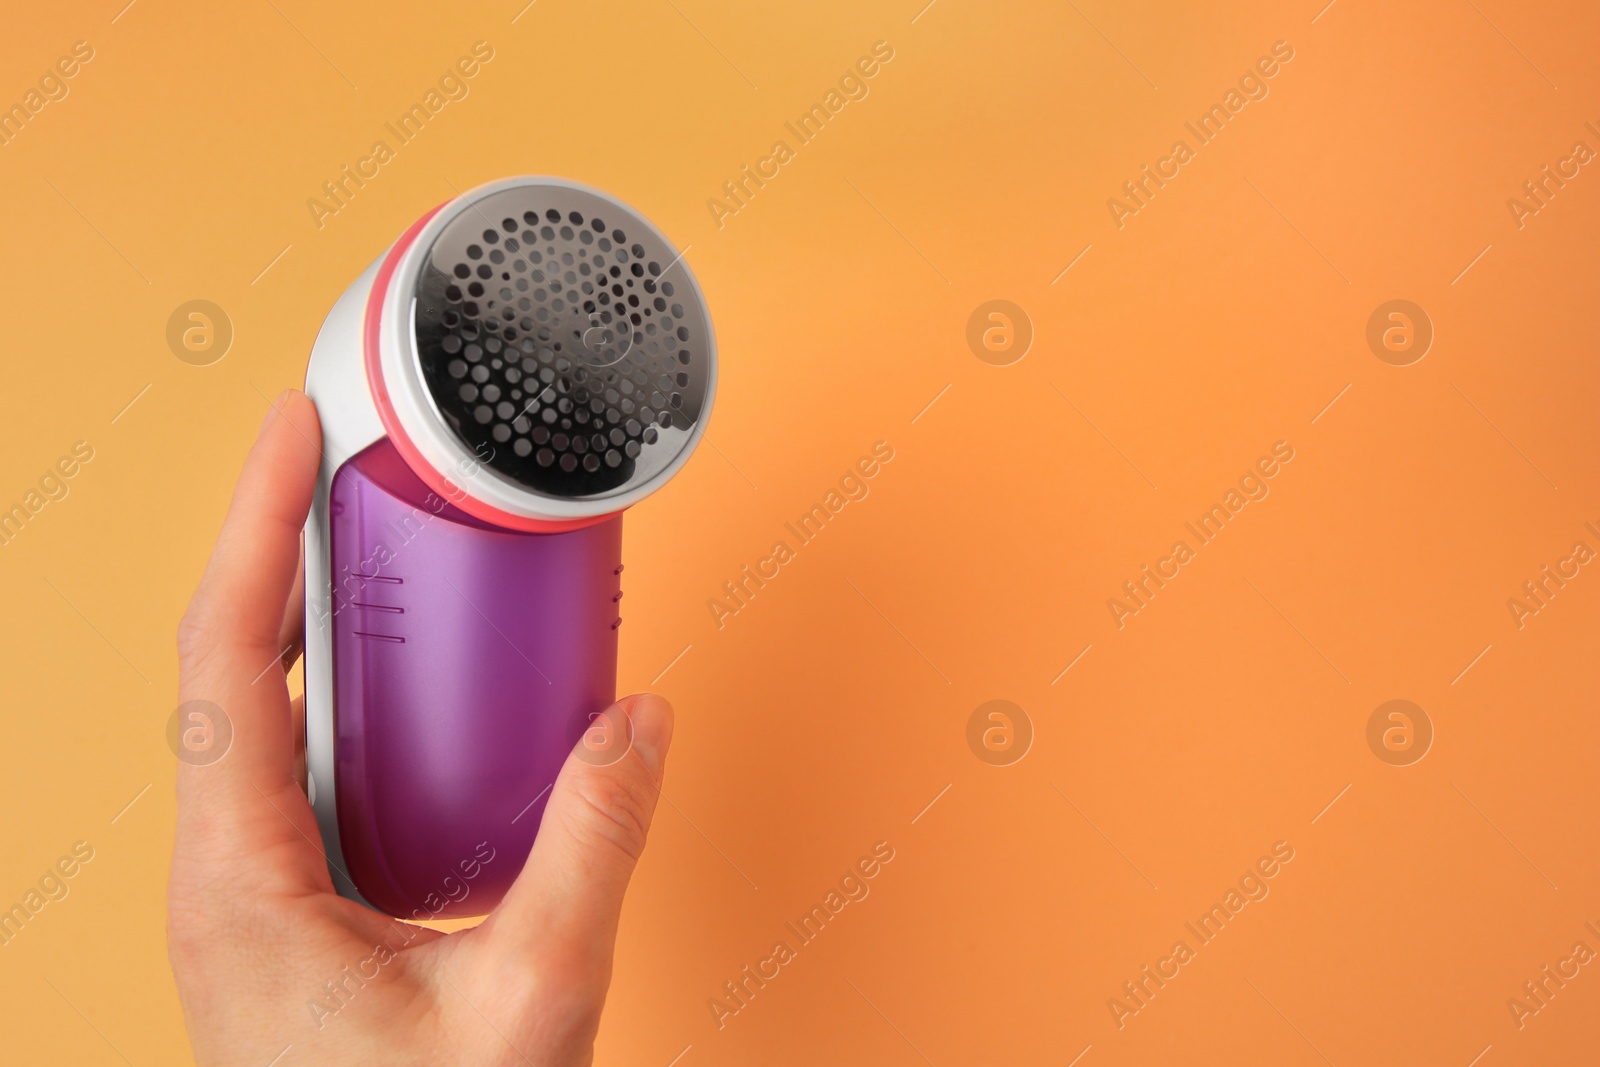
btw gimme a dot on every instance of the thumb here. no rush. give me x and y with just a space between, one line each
563 909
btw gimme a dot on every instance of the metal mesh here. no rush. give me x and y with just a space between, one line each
561 340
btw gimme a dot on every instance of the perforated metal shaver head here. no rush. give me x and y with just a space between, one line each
562 340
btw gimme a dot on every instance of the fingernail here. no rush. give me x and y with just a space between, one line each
274 409
652 729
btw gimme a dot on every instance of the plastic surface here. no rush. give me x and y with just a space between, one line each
467 662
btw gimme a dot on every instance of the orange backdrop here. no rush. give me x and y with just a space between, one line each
1156 344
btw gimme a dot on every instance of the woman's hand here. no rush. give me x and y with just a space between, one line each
272 966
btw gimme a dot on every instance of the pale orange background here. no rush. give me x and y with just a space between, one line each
823 718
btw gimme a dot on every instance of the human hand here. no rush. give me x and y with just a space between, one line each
256 934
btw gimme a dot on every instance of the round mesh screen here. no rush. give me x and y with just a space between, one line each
561 340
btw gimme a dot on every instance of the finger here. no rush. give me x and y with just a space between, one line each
564 906
239 607
292 631
241 793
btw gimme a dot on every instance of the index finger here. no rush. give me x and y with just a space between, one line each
244 793
236 613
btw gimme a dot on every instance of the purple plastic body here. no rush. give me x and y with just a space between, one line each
467 662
